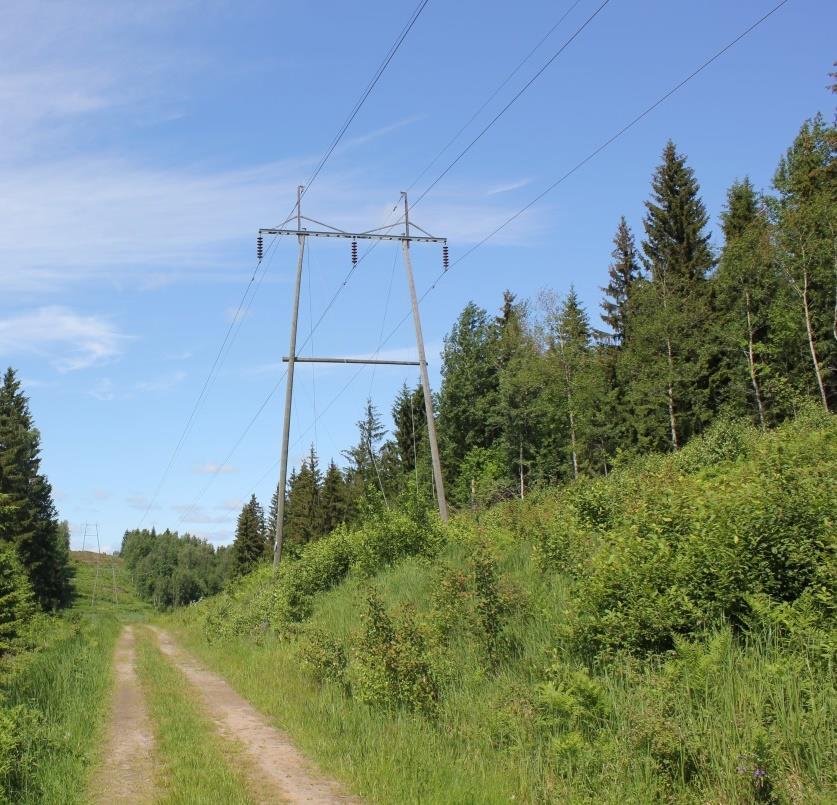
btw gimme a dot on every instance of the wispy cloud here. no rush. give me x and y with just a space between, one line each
69 340
214 469
507 187
101 494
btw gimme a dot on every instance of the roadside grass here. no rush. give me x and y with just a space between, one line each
197 765
57 695
63 690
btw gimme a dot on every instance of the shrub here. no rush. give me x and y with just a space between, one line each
325 657
394 669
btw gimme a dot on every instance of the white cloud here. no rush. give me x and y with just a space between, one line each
232 505
507 187
69 340
214 469
101 494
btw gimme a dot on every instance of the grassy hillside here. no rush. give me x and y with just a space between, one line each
54 696
665 634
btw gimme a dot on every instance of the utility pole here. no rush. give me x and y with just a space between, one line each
383 233
289 390
425 380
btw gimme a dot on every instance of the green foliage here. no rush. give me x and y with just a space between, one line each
476 603
16 604
265 600
681 543
28 519
325 657
52 707
394 666
171 570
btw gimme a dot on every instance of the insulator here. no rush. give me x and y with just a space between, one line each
354 252
445 260
259 247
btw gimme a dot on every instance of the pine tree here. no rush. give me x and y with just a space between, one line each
249 543
31 521
667 356
333 502
303 518
623 272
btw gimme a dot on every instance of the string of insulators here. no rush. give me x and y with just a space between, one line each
259 247
445 258
354 252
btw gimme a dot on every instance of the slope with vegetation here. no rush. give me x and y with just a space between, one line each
655 620
665 633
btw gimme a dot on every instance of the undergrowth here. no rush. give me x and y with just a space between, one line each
664 634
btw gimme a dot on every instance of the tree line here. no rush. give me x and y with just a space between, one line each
541 394
35 568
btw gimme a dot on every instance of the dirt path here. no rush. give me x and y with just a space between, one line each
127 770
269 750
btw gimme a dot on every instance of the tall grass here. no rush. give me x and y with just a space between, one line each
643 638
54 698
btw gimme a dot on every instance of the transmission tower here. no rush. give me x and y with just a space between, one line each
383 233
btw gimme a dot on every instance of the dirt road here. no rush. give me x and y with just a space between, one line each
273 764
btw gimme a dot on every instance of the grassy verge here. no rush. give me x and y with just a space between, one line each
54 698
60 696
196 763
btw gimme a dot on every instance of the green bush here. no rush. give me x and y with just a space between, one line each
393 666
262 600
21 729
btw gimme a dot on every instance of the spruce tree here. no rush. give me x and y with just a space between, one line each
744 292
572 352
249 543
470 389
333 503
16 601
410 431
30 523
364 458
623 273
303 519
668 361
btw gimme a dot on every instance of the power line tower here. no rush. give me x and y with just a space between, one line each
383 233
92 530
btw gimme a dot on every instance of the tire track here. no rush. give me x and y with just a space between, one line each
269 750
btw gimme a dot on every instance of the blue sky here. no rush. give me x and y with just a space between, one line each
143 144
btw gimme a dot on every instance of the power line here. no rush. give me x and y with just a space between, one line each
237 316
549 189
365 94
493 95
511 102
537 199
